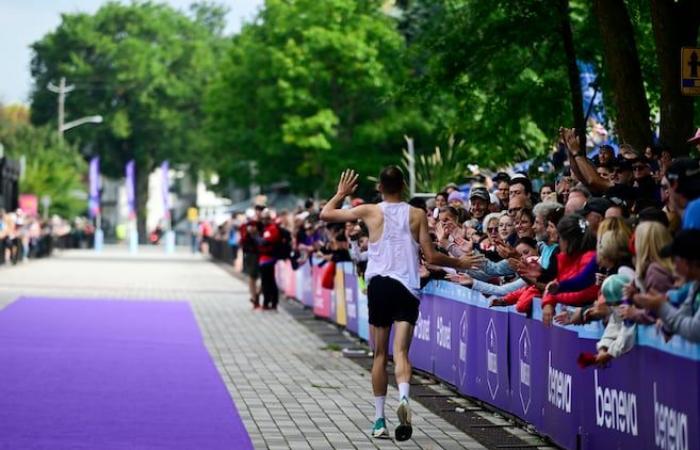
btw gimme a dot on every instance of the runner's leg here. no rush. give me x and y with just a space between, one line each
380 380
403 333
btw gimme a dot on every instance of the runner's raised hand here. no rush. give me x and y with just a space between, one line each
348 182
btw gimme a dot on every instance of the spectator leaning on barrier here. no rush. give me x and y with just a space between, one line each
577 251
683 320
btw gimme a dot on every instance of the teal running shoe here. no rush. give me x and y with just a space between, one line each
379 430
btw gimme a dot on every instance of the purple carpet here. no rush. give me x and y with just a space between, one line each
104 374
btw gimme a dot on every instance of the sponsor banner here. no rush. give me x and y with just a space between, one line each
421 352
566 385
445 339
306 285
321 296
491 347
362 312
526 368
351 294
340 301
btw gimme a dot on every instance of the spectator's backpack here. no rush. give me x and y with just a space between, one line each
283 248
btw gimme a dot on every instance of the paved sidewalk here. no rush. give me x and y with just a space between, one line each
289 390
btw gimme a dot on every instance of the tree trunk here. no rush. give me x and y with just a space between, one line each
572 69
675 25
624 73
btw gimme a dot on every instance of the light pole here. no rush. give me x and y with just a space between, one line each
62 90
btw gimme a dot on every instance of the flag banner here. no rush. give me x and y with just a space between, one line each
94 194
131 188
165 188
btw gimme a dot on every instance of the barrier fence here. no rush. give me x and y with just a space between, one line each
646 399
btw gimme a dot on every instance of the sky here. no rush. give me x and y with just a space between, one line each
23 22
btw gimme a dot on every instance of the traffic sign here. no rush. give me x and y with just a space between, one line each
690 71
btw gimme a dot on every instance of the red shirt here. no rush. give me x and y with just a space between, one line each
270 239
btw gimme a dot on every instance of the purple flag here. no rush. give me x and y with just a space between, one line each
94 194
165 188
130 188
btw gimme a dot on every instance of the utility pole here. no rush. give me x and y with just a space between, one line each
61 90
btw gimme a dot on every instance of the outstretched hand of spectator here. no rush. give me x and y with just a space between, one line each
348 183
603 358
566 317
651 300
505 251
547 315
498 302
460 278
571 140
473 261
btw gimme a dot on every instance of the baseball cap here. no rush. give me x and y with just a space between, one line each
480 192
685 245
501 176
595 204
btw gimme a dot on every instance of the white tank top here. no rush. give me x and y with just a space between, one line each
395 254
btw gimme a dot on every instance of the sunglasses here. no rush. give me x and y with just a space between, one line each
492 229
639 168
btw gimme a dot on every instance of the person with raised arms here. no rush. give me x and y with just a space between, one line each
397 233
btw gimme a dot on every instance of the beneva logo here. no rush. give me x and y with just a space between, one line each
615 409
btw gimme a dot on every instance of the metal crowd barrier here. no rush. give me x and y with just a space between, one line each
646 399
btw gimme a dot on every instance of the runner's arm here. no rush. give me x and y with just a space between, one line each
432 256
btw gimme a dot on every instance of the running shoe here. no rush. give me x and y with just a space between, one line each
404 431
379 430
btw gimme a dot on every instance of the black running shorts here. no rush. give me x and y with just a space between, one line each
390 301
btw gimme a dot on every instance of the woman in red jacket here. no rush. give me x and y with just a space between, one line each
577 254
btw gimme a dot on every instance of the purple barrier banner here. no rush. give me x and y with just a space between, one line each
566 384
421 352
648 398
445 339
491 347
351 296
526 369
636 401
467 354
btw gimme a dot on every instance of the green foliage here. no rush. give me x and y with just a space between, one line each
52 168
143 66
436 170
492 73
308 90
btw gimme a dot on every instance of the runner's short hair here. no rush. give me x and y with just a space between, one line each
391 180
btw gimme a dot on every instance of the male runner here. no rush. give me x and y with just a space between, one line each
396 232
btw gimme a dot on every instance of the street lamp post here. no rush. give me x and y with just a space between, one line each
62 90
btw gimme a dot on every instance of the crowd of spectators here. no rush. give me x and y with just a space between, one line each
615 238
23 237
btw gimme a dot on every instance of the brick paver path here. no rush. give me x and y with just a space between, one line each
290 392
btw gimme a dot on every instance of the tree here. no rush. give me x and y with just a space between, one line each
143 66
52 168
492 73
307 90
675 25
